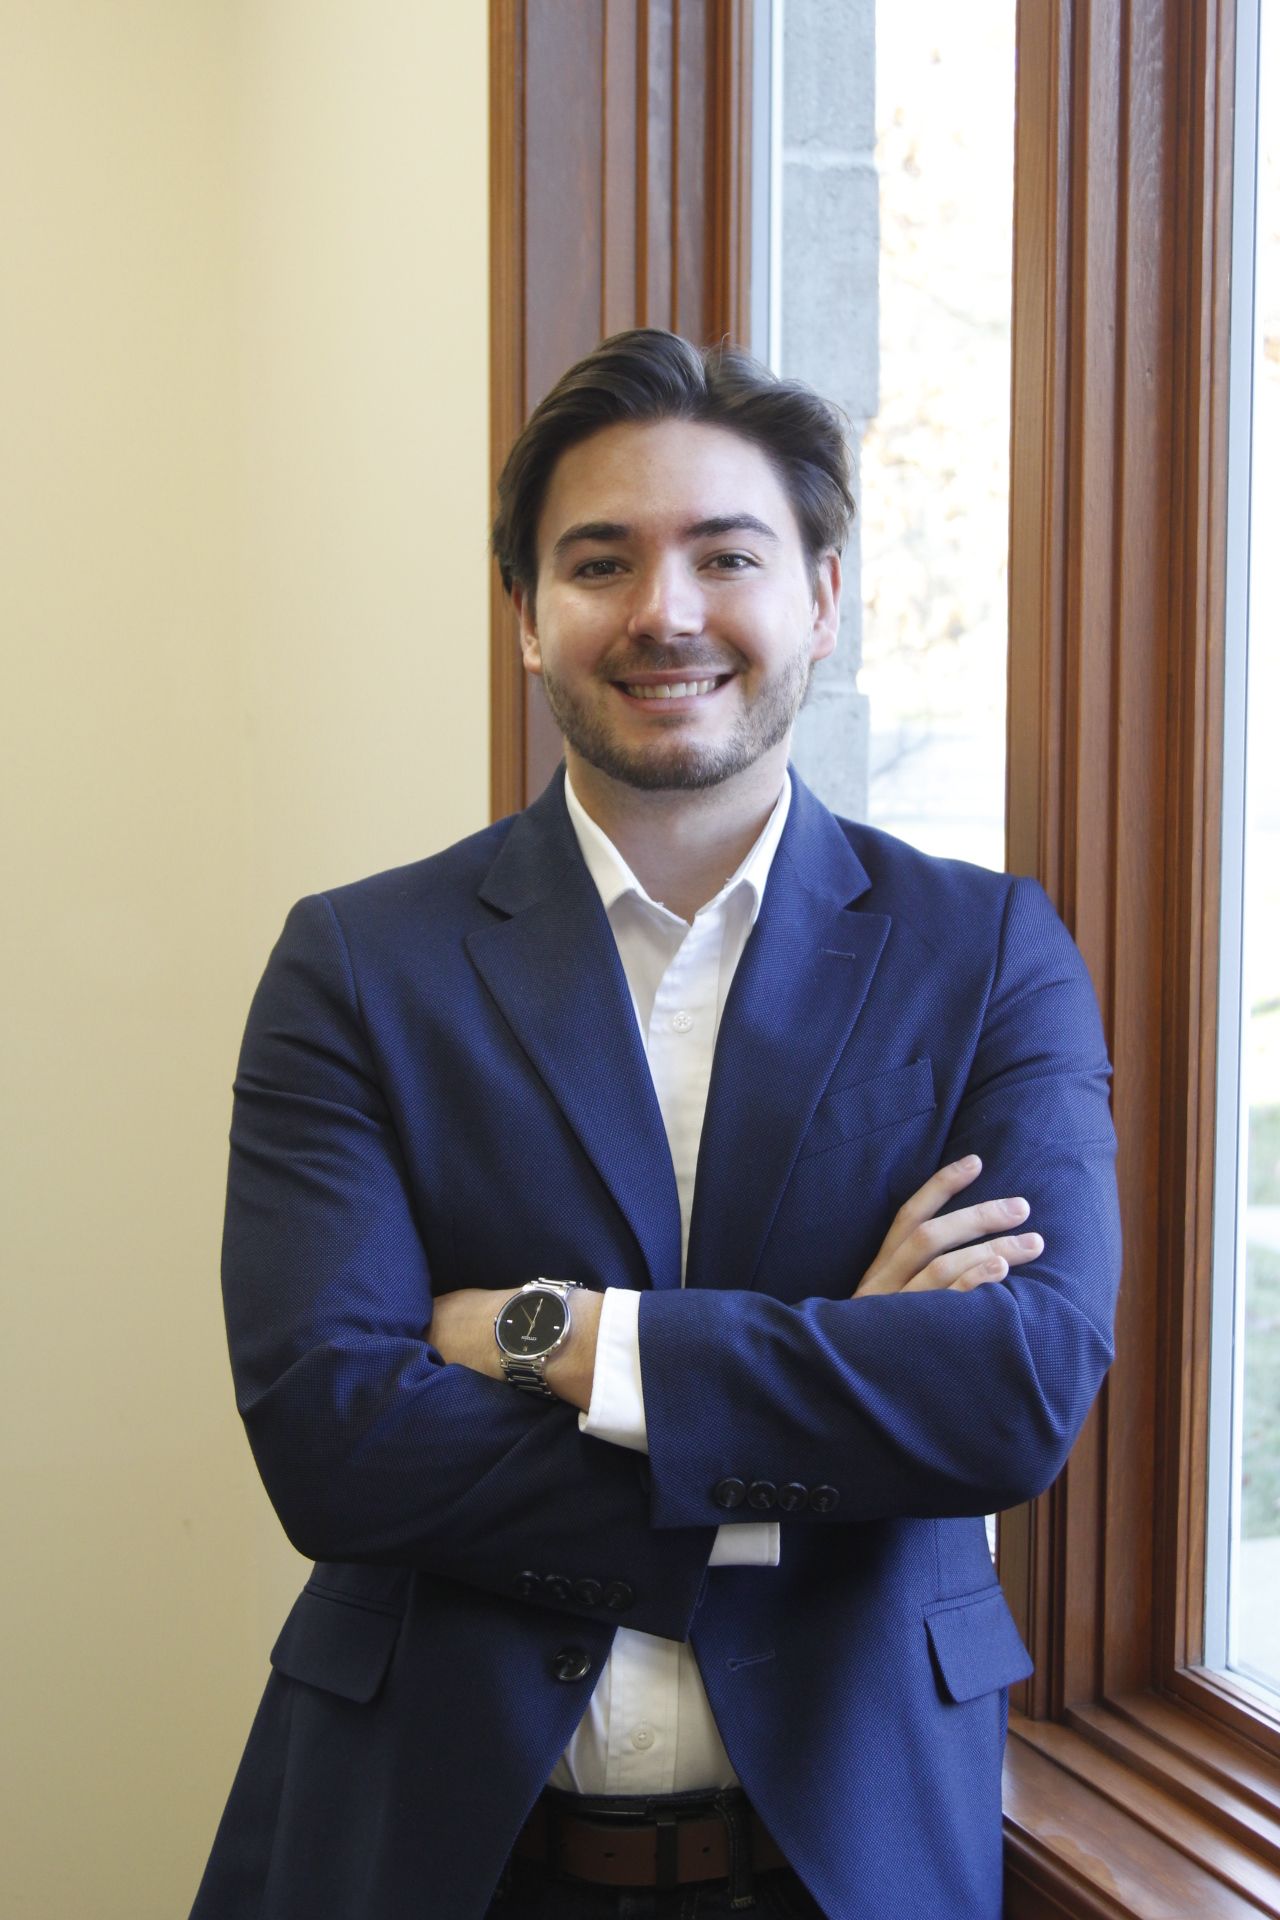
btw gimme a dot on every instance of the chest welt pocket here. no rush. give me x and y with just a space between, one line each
976 1646
342 1647
846 1112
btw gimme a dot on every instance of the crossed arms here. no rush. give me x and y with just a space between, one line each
923 1251
930 1392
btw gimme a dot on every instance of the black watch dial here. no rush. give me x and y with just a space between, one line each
531 1324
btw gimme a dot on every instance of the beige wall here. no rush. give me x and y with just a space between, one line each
243 606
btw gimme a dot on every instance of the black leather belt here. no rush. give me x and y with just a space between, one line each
666 1841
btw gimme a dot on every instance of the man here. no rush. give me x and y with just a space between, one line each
668 1590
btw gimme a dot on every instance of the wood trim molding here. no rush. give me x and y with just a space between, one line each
633 209
1089 1833
1099 780
1206 89
729 157
506 378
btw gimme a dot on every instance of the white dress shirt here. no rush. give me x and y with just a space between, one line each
648 1727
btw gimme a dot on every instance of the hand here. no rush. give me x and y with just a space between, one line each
924 1250
461 1328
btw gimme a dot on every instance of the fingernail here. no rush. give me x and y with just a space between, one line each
969 1164
997 1268
1017 1208
1029 1242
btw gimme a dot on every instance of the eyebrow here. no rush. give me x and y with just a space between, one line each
710 529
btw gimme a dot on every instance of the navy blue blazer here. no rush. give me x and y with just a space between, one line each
443 1085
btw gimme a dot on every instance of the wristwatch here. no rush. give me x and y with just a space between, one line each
534 1324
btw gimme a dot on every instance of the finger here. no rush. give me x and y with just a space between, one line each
950 1230
983 1275
991 1261
928 1200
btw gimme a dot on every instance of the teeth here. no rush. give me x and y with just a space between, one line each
676 690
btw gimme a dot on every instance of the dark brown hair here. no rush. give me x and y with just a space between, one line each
649 375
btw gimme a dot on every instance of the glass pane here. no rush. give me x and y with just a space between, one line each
1254 1616
895 258
935 460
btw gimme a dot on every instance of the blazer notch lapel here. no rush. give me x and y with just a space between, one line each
552 967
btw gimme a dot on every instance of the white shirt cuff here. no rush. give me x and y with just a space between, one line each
756 1543
616 1412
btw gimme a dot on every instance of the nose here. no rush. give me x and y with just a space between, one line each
667 603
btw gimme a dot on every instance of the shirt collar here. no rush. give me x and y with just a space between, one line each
614 879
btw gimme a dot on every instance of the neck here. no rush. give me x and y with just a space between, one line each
682 845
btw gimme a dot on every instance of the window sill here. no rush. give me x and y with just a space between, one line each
1138 1808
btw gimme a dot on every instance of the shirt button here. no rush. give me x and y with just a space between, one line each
642 1738
681 1022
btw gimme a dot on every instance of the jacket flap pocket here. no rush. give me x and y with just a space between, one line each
976 1645
845 1112
331 1644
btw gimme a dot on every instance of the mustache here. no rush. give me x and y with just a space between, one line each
670 660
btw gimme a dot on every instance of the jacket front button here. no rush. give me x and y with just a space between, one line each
589 1592
762 1494
571 1663
824 1499
730 1493
556 1587
619 1596
527 1584
793 1496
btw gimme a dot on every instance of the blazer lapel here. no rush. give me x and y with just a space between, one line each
797 993
552 966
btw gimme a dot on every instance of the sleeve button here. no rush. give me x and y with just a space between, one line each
729 1493
824 1499
618 1596
762 1494
571 1663
556 1587
793 1496
527 1584
588 1592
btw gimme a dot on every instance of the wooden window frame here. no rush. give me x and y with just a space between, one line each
1137 1782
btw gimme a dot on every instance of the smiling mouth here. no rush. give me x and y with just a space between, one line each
659 690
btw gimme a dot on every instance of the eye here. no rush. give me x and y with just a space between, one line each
596 570
731 562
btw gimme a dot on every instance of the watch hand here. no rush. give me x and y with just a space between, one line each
537 1310
529 1318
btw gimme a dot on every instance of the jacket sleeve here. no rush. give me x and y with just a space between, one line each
370 1447
921 1404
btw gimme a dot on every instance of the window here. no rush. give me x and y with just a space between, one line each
1242 1615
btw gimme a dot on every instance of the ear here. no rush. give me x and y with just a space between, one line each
530 651
826 607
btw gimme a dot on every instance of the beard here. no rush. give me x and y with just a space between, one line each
675 764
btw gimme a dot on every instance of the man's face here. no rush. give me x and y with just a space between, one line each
676 620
